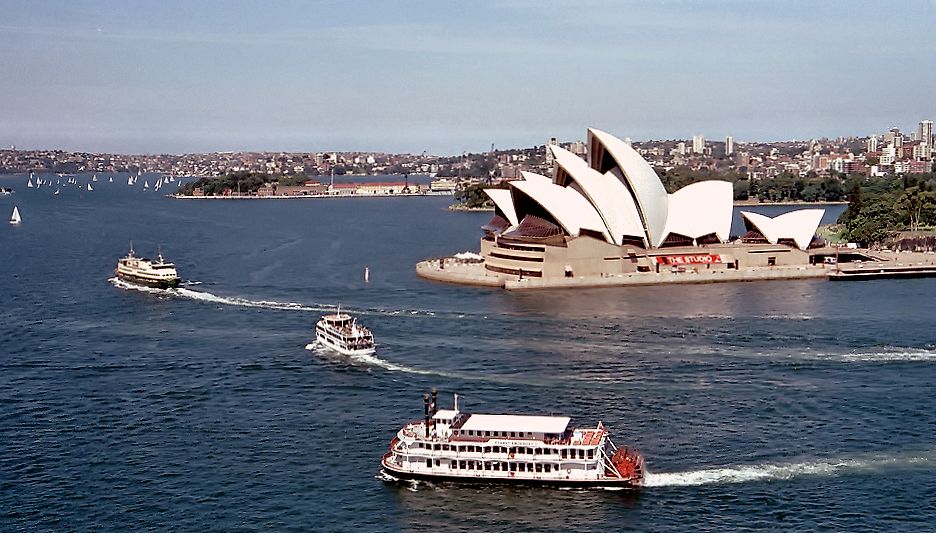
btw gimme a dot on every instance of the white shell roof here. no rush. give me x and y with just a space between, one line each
607 194
503 200
798 225
570 209
522 423
701 208
652 199
533 176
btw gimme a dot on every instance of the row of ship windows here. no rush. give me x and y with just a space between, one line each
334 337
479 433
500 466
565 453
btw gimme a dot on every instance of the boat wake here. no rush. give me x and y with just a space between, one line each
890 354
204 296
372 360
781 471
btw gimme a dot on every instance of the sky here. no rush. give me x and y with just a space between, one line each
450 77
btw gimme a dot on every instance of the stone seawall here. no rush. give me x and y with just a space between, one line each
465 273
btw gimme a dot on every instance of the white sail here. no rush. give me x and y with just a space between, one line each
94 177
90 188
110 179
145 184
57 191
30 183
15 218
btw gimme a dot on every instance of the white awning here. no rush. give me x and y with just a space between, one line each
521 423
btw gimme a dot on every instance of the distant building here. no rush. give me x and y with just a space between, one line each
549 156
442 185
698 144
872 144
729 145
925 132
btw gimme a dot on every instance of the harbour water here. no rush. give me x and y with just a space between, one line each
774 406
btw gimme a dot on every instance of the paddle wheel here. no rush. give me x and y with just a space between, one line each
626 463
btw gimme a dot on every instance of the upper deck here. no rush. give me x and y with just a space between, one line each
451 426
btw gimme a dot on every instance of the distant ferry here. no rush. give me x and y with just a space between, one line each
342 333
449 445
141 270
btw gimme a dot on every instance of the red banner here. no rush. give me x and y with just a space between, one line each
698 259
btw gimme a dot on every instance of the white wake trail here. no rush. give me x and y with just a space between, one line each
781 471
373 360
207 297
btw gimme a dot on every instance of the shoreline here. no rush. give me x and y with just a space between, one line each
462 208
474 274
303 196
791 202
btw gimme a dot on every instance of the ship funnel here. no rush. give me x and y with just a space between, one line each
426 407
435 401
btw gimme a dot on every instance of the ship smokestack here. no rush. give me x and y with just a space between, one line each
426 407
435 401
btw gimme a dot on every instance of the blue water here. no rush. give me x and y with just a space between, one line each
760 406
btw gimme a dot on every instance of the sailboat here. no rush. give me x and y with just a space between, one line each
15 218
130 180
90 188
145 184
110 179
30 183
57 192
94 177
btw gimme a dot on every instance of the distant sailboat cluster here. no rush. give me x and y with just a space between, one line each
60 181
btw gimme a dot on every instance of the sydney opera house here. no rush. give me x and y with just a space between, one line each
610 216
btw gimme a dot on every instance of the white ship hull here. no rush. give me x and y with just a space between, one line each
328 343
509 478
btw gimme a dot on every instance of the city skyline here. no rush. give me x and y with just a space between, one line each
178 78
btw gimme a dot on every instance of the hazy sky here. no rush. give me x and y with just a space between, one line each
447 77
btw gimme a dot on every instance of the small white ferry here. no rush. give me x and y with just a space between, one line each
342 333
448 445
140 270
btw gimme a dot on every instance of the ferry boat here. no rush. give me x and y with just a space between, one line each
141 270
449 445
342 333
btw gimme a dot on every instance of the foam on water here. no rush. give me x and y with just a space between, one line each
373 360
890 354
781 471
204 296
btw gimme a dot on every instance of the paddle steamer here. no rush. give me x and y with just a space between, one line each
449 445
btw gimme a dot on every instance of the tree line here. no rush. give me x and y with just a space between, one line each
878 208
242 182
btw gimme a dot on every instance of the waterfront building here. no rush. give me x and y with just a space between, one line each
610 215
